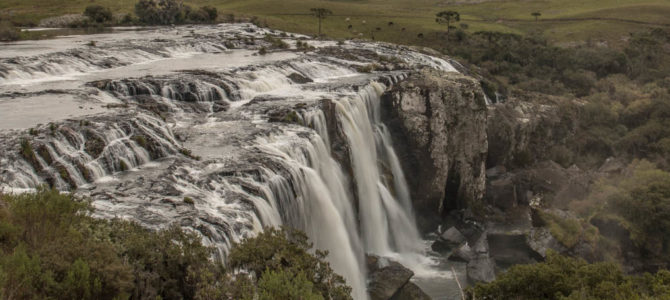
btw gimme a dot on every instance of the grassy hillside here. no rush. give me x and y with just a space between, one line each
562 21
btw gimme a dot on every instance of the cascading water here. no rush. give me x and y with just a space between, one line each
288 139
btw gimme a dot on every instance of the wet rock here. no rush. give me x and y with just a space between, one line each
387 281
481 246
481 269
448 240
410 291
299 79
439 125
94 144
463 253
453 236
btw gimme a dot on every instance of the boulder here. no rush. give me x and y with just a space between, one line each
410 291
481 269
453 236
481 246
299 78
448 240
509 249
463 253
387 281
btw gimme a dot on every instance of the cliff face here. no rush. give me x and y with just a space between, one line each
439 125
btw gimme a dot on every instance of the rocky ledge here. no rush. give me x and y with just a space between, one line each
439 125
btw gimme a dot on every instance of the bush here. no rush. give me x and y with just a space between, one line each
643 199
8 32
567 278
212 13
98 13
278 253
50 248
166 12
160 12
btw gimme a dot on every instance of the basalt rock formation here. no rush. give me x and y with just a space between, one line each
439 125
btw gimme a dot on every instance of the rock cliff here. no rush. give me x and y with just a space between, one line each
438 122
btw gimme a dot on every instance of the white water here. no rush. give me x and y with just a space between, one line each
253 173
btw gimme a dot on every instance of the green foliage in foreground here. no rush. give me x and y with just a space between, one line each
51 249
568 278
282 253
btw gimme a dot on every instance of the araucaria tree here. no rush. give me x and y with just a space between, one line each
448 17
536 14
321 13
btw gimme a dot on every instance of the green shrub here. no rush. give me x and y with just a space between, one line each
567 278
98 13
212 13
8 32
283 284
160 12
276 42
278 253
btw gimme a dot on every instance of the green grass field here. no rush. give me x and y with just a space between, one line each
562 21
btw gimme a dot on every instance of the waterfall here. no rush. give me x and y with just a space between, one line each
324 209
134 161
387 222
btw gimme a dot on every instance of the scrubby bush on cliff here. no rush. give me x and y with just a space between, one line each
568 278
641 198
50 248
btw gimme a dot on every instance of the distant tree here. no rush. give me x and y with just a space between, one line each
536 14
321 13
98 13
448 17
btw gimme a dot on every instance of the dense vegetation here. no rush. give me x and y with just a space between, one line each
8 32
170 12
51 249
632 214
624 93
561 277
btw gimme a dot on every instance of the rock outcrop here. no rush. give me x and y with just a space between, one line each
390 280
439 125
524 131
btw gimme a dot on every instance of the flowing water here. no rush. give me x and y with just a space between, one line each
140 120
